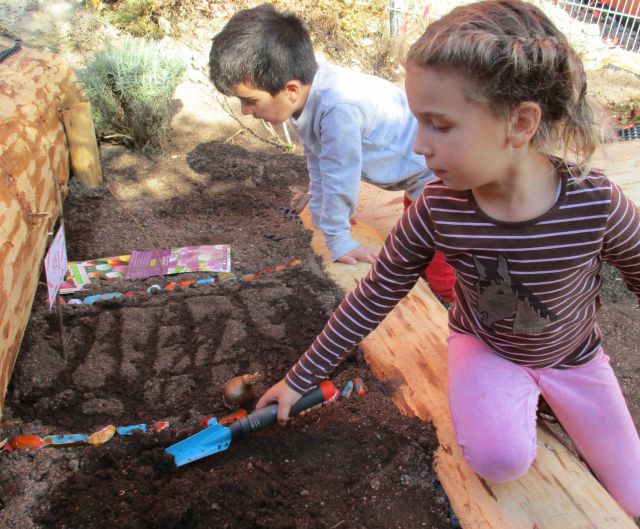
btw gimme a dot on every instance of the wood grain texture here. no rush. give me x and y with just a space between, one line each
81 136
34 171
621 161
408 353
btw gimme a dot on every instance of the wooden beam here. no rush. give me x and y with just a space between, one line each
621 161
34 170
408 352
83 147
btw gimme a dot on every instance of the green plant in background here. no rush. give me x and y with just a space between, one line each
138 17
626 114
362 20
348 20
130 86
156 18
354 33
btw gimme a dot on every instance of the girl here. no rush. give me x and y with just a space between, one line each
496 88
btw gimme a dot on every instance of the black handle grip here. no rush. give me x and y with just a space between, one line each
268 415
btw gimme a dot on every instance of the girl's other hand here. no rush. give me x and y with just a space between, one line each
283 396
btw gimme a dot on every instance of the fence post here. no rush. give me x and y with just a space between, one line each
396 11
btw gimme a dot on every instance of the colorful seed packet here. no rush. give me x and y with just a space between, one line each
160 261
82 275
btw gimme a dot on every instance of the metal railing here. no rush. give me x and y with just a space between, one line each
618 20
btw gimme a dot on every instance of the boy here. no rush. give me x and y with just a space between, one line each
351 125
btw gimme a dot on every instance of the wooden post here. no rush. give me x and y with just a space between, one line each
81 135
396 11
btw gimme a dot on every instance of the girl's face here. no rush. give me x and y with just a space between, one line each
463 142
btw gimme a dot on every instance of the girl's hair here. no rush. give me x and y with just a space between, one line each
511 53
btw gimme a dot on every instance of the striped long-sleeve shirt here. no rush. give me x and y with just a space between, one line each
529 290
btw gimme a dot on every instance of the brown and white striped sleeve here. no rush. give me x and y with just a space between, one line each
621 241
405 254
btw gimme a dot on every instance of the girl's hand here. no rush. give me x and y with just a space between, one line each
282 395
362 253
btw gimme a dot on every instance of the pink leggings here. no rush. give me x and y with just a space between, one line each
493 407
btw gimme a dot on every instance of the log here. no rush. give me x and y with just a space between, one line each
408 353
34 171
621 161
81 135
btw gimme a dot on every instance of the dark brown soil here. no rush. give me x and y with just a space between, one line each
357 464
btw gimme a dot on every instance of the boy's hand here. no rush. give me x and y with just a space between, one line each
362 253
282 395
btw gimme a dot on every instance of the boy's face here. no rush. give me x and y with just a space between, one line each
262 105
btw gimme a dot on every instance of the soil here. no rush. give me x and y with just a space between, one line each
356 464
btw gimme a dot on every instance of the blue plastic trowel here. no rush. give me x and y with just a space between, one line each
216 437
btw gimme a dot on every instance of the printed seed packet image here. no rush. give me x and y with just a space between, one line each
82 275
160 261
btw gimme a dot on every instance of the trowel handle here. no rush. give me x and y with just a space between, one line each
268 415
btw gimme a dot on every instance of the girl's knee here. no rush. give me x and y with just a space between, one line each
499 465
622 480
634 512
630 505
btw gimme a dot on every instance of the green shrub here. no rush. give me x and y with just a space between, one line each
138 17
354 33
130 86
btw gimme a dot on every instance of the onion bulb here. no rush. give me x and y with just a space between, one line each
239 390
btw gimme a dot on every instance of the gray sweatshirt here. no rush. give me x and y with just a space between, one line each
355 126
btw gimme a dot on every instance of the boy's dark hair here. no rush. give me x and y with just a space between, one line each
262 48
